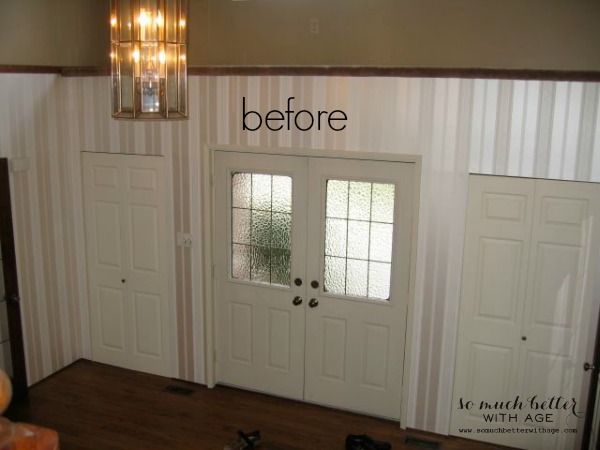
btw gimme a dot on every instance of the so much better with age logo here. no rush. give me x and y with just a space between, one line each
532 415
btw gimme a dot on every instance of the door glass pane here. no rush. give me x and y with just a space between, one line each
359 225
261 228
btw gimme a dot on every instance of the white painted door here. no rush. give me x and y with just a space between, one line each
528 310
259 253
125 222
312 270
499 218
359 237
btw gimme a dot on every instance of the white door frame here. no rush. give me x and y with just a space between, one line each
207 315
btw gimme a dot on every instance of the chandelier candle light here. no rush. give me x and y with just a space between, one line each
148 59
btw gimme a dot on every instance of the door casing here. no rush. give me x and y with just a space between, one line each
207 315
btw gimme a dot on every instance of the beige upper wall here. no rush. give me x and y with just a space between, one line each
508 34
514 34
54 32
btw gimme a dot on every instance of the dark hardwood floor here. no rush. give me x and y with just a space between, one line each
95 406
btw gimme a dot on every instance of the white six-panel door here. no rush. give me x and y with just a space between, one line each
312 273
529 308
125 224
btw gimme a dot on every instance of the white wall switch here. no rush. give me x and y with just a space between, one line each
19 164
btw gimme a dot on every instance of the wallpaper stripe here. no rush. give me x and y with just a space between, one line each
595 172
503 127
196 338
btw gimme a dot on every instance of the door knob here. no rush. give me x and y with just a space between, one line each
586 366
314 284
298 281
297 301
313 303
123 280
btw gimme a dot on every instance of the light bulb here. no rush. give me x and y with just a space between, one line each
113 21
144 18
162 57
136 55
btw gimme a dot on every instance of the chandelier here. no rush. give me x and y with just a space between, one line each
148 59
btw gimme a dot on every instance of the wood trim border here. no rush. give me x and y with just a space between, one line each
398 72
7 68
85 71
337 71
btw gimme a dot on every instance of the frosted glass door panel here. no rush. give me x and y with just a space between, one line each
261 228
358 238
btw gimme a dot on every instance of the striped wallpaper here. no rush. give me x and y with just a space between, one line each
524 128
48 245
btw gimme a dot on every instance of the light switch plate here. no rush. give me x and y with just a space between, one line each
19 164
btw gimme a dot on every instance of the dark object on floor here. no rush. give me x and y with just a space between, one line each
179 390
248 441
422 443
364 442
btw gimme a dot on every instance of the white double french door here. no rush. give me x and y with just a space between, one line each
312 274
